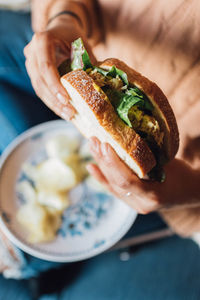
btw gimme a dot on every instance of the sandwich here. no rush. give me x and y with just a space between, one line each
123 108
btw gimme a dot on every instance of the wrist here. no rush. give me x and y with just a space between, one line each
88 11
66 14
65 21
65 28
71 12
182 184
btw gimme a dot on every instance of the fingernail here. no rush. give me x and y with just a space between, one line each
67 113
104 149
61 98
64 116
94 145
91 141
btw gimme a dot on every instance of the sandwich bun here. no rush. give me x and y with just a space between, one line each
97 117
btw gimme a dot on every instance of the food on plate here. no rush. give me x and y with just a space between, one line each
54 199
40 222
45 187
125 109
61 147
55 175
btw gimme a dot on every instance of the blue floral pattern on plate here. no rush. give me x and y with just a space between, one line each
85 215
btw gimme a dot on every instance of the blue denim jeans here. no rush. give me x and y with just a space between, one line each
168 269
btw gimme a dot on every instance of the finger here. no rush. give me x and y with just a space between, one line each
111 165
63 110
46 60
96 172
98 175
140 195
26 50
130 198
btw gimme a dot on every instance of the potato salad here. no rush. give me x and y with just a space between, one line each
46 191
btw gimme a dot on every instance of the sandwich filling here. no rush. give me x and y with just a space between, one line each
129 102
132 106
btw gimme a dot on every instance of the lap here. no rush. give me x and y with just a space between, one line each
168 270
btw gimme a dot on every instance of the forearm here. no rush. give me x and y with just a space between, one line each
43 11
87 16
184 221
181 187
183 214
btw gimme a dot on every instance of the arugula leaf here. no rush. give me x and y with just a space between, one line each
121 74
135 92
80 60
101 71
127 101
79 56
113 72
86 60
146 104
131 97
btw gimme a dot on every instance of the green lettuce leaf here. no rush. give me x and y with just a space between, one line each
113 72
121 74
127 101
79 56
145 103
81 60
131 97
101 71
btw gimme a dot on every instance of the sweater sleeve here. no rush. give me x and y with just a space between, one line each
184 221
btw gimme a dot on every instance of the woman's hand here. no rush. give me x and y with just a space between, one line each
180 186
46 51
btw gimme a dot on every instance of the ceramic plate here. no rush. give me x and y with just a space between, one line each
93 222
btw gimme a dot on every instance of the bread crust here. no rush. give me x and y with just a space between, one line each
164 113
104 112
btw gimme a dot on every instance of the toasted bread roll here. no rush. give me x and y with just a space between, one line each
163 111
97 117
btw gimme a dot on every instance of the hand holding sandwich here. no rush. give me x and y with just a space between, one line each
49 47
130 113
181 187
